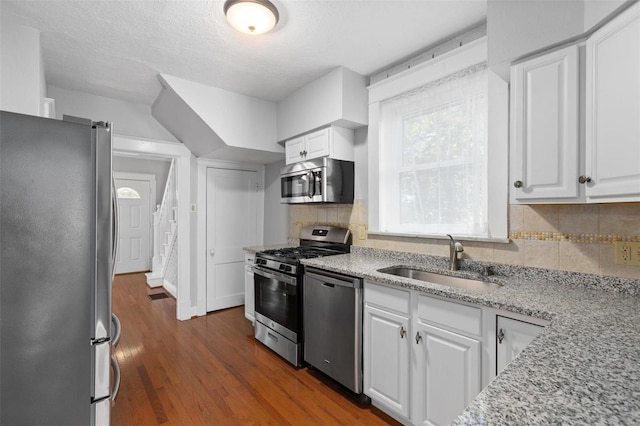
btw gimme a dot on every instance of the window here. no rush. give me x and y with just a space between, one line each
433 152
126 192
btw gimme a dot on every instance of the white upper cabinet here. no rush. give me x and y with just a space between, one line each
335 142
550 163
613 110
545 127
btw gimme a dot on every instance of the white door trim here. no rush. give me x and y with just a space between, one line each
155 149
146 177
201 215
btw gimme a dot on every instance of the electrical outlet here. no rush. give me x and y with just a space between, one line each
362 232
627 253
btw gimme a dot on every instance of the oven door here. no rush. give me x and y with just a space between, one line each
304 186
278 301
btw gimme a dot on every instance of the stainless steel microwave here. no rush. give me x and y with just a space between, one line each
321 180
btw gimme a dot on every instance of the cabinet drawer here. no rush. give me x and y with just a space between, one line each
450 315
390 298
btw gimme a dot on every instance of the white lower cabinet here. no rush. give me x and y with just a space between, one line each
249 300
425 358
447 352
386 363
448 374
416 368
512 337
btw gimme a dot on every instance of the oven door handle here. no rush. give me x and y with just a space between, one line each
274 275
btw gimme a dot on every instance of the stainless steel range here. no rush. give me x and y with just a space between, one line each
278 288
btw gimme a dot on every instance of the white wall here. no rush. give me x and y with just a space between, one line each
516 28
596 10
361 158
159 168
130 119
224 118
22 81
276 215
339 97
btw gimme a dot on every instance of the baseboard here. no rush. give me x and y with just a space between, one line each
170 288
153 280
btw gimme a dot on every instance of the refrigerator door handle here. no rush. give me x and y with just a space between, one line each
116 378
116 227
117 329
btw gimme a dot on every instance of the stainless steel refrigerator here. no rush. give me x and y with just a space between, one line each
57 245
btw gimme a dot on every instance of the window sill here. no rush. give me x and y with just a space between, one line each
442 237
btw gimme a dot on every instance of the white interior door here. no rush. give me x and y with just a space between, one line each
134 220
232 217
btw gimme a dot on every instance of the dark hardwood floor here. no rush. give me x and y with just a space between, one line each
211 371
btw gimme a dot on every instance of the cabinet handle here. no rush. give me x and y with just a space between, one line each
418 337
518 184
403 332
584 179
500 336
300 153
304 152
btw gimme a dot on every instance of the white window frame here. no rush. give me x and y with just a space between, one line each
498 111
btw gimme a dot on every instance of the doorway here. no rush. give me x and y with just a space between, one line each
136 194
231 224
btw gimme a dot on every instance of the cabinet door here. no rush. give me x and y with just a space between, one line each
545 136
448 374
613 109
318 144
294 150
512 337
386 359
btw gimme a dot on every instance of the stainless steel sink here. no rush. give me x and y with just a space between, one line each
434 277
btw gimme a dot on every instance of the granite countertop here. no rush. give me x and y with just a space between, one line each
584 368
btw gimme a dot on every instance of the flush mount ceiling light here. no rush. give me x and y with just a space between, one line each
251 16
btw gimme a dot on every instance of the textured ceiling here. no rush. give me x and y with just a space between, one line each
117 48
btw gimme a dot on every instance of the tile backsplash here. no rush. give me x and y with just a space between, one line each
577 238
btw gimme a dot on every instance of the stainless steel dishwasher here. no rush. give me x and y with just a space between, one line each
333 326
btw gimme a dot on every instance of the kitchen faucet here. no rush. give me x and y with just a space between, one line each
455 247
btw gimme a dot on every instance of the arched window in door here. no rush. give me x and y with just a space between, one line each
126 192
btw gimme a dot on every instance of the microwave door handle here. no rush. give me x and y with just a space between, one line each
312 184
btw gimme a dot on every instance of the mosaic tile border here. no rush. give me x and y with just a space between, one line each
571 237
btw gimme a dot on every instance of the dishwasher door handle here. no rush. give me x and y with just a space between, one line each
328 285
343 281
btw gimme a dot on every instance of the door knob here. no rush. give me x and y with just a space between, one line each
584 179
212 252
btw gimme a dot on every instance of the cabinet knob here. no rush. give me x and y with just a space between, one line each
418 337
500 335
584 179
403 332
518 184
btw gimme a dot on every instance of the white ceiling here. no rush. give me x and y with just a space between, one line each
117 48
